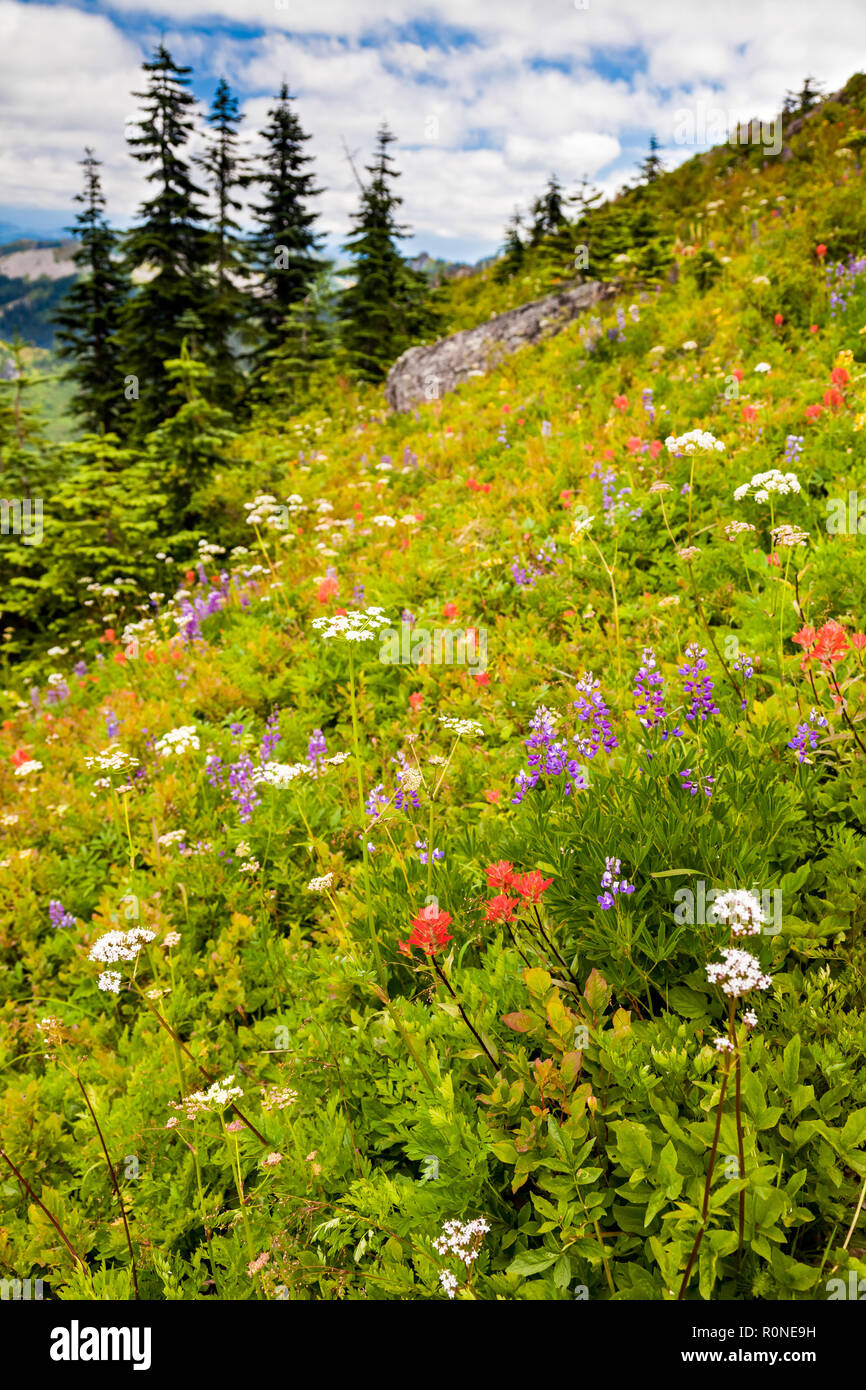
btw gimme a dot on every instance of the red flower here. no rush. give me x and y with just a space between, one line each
429 931
655 448
858 640
189 576
820 250
492 796
450 610
501 908
21 755
500 874
805 637
481 678
833 398
621 402
328 588
531 886
633 444
339 612
831 644
565 498
778 320
813 328
738 373
749 412
108 635
416 699
813 411
839 376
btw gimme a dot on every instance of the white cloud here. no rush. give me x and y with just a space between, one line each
486 99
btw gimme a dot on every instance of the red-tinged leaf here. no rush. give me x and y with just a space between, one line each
520 1022
597 991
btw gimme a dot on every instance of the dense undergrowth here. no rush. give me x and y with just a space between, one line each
410 940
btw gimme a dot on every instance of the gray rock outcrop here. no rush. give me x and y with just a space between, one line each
427 373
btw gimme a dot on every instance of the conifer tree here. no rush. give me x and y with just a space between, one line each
652 167
226 170
170 247
387 306
89 315
286 244
548 214
308 339
514 251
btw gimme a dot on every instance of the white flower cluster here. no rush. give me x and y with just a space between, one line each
723 1044
25 769
320 885
109 981
766 483
737 973
177 741
215 1098
461 726
112 759
120 945
264 510
463 1240
410 779
582 525
358 625
789 536
171 837
695 439
282 774
738 528
741 909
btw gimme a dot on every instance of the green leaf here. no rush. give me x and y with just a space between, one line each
532 1262
634 1146
791 1063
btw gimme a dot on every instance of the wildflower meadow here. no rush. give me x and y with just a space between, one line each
438 873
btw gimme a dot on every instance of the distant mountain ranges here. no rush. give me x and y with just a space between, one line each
36 272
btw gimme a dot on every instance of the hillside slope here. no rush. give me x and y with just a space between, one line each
340 941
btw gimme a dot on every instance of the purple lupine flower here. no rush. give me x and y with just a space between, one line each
651 710
793 447
421 846
743 664
805 739
80 668
112 726
694 782
58 915
271 736
317 747
646 397
375 801
592 710
700 687
407 617
611 884
236 730
547 758
243 788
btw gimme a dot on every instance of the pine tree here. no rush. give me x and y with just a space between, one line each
548 213
286 244
227 171
513 252
652 167
308 339
387 306
170 245
89 315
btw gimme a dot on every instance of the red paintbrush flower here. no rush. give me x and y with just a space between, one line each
500 874
805 637
501 908
531 886
429 931
831 644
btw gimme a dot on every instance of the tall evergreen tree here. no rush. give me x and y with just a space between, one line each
227 172
652 167
90 313
548 214
387 305
170 246
513 252
286 243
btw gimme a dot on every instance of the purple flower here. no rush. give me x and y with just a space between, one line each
592 710
317 747
376 800
271 735
805 739
651 710
547 758
214 769
700 687
421 846
611 884
242 787
695 782
58 915
112 726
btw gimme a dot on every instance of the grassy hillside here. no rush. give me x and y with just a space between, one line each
337 942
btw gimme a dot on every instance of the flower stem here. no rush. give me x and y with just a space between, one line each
476 1035
371 926
710 1166
114 1182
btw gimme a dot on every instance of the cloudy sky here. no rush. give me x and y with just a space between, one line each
487 97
